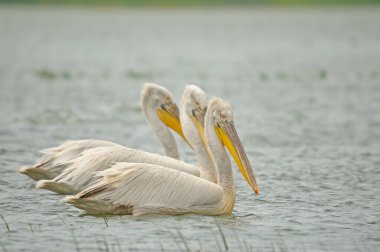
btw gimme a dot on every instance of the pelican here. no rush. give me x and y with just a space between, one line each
160 112
80 174
136 188
193 106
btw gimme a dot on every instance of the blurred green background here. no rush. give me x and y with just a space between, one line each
193 2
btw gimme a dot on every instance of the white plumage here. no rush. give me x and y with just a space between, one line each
80 173
151 189
137 188
56 159
193 108
82 169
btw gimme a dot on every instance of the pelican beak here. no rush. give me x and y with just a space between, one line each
198 118
169 115
229 138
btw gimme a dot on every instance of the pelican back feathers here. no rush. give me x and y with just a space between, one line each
56 159
80 173
137 188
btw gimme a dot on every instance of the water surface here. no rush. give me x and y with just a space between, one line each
304 85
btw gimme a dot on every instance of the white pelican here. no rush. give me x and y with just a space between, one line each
135 188
160 112
80 174
193 108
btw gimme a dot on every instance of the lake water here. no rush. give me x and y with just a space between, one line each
304 84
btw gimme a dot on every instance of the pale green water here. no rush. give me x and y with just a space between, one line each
304 84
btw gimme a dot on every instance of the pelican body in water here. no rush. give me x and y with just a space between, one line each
160 112
136 188
80 174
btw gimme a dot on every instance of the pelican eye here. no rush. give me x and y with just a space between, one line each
193 112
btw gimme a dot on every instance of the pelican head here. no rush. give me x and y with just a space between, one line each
223 121
194 105
159 99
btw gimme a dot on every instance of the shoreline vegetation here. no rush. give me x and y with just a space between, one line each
191 3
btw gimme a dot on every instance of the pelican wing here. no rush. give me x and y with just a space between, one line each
136 188
57 156
80 173
56 159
